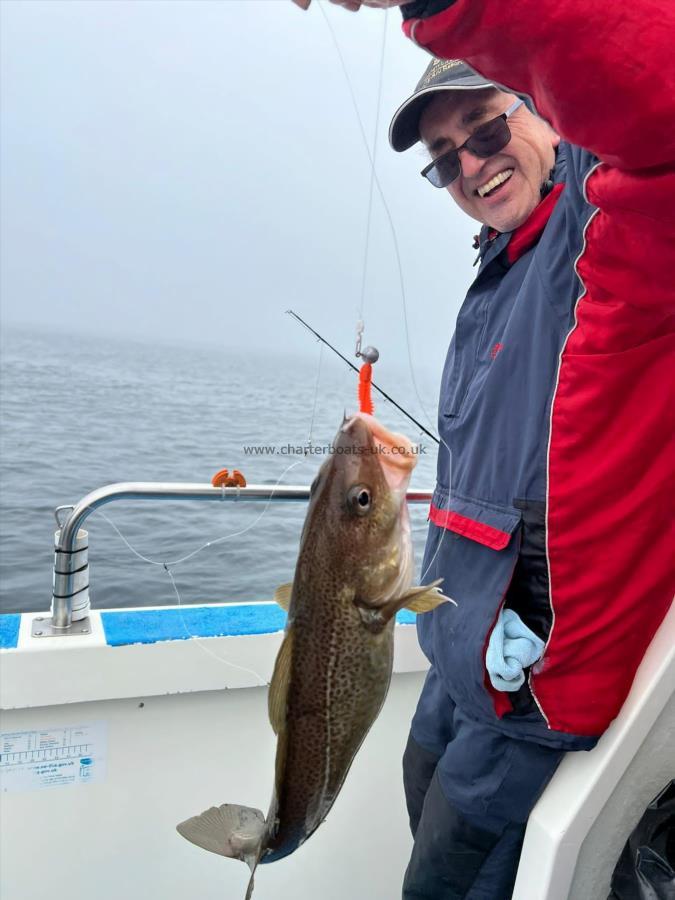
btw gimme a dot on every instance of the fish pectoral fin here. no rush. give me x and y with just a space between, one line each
282 595
425 597
418 599
278 693
375 617
229 830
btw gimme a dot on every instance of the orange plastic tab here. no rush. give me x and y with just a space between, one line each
238 478
224 479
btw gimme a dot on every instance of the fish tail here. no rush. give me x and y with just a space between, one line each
249 889
230 830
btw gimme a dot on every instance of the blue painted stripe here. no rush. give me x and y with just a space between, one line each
147 626
9 630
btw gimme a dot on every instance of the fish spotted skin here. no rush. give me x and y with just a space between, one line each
340 669
332 672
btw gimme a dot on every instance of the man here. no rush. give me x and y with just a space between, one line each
555 534
474 766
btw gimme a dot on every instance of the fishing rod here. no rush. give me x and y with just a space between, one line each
355 368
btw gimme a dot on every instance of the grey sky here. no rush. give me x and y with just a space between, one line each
192 169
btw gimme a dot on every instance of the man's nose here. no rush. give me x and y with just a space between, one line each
471 165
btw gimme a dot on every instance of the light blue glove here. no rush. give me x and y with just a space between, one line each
512 647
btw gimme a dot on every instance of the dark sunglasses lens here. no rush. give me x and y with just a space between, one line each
486 140
443 170
490 138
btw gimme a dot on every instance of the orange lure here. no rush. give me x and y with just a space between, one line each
365 393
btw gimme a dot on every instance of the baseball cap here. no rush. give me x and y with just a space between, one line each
440 75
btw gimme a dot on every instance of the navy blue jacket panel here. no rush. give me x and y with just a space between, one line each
494 413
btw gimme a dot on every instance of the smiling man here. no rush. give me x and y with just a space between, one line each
551 522
540 492
504 191
494 156
473 771
540 372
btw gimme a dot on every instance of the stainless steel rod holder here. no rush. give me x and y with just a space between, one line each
64 579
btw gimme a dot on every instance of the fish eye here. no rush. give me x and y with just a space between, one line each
359 499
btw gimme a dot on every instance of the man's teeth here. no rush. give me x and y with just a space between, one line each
494 182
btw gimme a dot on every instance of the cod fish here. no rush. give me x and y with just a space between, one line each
332 673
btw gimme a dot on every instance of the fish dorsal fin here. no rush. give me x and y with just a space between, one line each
282 595
418 599
278 693
230 830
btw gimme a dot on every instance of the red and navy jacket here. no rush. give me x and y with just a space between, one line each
555 476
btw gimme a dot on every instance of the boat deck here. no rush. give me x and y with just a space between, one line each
111 738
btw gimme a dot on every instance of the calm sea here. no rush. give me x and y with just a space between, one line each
79 412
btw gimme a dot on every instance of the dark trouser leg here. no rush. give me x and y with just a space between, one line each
419 766
470 832
449 851
497 877
433 729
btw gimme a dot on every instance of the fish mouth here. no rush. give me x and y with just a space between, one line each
396 453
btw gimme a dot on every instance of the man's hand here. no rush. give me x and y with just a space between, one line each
355 5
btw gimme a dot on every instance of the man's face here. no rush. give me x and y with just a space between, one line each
529 156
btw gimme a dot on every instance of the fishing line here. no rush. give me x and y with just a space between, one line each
373 156
182 559
194 637
397 254
374 182
323 341
385 205
316 393
167 565
351 365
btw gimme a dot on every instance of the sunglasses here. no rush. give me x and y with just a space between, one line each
488 139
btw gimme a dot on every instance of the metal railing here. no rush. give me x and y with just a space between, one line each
71 578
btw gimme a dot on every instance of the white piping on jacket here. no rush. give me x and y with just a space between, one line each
582 294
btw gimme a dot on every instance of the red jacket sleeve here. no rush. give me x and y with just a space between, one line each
601 72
